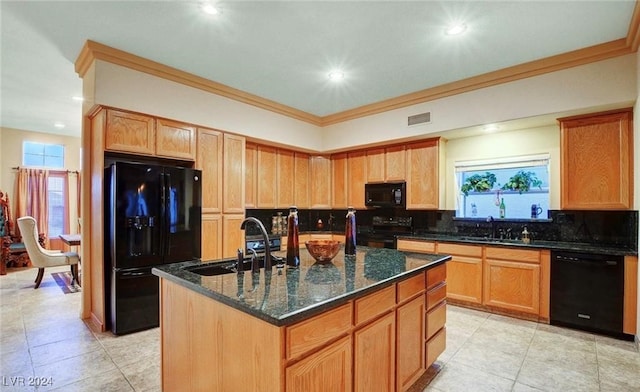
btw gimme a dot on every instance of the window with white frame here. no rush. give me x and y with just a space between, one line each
44 155
522 183
50 156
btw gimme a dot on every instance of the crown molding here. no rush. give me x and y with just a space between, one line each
92 51
633 35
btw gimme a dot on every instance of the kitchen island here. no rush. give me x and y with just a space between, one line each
373 321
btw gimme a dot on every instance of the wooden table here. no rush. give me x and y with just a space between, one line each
71 239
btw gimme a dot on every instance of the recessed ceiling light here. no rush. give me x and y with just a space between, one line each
77 98
210 9
58 125
336 75
455 29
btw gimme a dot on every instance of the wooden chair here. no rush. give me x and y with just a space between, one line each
13 253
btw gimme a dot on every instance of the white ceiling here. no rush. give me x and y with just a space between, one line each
284 50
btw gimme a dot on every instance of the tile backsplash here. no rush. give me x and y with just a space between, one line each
610 228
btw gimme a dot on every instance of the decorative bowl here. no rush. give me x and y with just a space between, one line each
323 251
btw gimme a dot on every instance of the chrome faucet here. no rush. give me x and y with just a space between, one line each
265 236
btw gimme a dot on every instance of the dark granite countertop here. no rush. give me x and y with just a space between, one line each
553 245
287 295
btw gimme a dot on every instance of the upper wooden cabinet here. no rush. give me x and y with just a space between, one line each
356 177
597 161
267 177
301 180
395 163
251 175
175 140
129 132
424 167
286 180
233 173
320 176
386 164
144 135
375 165
339 177
209 160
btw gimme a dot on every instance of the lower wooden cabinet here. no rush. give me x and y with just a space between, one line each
410 358
327 370
211 246
233 237
374 353
512 279
464 281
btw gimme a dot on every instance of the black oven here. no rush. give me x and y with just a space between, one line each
384 231
256 243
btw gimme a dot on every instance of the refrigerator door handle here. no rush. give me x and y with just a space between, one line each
164 185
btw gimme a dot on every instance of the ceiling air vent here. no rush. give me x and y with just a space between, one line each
423 118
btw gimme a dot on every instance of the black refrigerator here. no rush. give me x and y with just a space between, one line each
152 217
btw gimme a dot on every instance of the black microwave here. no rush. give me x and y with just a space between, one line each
385 195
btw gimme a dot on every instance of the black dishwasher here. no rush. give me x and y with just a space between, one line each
587 292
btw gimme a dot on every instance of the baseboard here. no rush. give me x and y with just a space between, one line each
94 324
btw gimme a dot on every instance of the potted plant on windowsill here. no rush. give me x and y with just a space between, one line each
478 183
522 181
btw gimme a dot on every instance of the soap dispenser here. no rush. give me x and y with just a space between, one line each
526 238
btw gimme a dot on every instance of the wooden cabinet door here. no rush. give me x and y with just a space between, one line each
233 174
285 173
233 237
267 176
464 272
209 160
301 180
356 178
211 237
130 133
339 171
374 356
410 355
251 175
327 370
320 176
512 285
395 163
423 167
375 165
597 161
175 140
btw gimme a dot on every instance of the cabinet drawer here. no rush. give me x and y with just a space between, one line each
436 295
523 255
436 346
436 275
313 333
460 250
436 319
417 246
375 304
410 287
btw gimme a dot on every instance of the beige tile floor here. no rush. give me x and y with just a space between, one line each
41 335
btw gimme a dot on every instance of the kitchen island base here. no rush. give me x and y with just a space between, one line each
386 338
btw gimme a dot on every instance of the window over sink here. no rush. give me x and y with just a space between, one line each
520 183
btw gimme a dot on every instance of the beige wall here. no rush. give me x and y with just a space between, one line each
11 156
583 89
544 140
